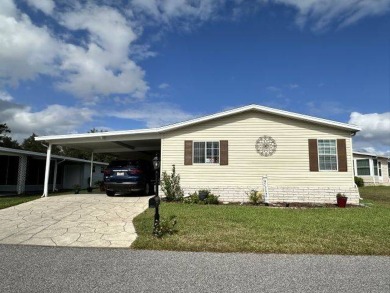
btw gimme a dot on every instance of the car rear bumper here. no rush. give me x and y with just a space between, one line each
124 187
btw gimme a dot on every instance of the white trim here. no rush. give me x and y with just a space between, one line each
370 155
157 132
205 150
369 166
318 156
10 152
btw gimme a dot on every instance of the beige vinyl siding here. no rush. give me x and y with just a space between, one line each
289 166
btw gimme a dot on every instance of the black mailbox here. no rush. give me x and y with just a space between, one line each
154 202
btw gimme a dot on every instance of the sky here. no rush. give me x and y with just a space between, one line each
69 66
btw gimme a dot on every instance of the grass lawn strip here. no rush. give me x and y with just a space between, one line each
231 228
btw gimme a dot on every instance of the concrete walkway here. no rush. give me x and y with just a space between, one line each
84 220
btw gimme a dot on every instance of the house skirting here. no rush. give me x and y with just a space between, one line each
282 194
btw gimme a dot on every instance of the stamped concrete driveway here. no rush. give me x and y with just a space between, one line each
86 220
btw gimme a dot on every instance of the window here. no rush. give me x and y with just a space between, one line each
327 154
375 167
380 169
388 168
206 152
363 167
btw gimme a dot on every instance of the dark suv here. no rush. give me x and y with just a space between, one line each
125 176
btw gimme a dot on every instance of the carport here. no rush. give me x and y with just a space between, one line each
139 144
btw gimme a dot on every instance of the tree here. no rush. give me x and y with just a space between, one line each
5 140
30 144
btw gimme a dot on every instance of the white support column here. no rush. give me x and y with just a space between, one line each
55 175
47 172
90 178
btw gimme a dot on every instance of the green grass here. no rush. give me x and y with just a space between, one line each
9 201
232 228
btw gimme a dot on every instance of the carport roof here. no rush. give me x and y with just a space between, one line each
153 135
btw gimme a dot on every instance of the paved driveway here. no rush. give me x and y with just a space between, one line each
86 220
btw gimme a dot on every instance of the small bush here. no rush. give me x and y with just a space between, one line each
255 197
170 185
359 181
194 198
165 227
211 199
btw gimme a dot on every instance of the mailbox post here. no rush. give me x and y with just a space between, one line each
154 202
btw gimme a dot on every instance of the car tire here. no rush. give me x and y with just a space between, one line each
110 192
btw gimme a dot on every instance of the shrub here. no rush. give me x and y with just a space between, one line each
211 199
165 227
170 185
255 197
194 198
359 181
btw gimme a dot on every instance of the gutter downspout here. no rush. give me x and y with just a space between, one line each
47 172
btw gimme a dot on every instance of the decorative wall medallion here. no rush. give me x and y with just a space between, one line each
266 146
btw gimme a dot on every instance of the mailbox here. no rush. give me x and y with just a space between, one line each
154 202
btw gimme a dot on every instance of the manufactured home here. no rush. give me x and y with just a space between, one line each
373 169
288 156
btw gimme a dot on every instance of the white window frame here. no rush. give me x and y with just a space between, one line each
318 156
369 166
205 150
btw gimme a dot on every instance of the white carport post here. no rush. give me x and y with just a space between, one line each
90 178
47 172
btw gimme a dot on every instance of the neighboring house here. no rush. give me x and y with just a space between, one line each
24 171
374 169
290 157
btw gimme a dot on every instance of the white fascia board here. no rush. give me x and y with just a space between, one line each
312 119
370 155
8 151
152 131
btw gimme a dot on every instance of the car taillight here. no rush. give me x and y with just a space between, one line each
107 172
134 172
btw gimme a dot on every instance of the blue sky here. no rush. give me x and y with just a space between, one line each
70 66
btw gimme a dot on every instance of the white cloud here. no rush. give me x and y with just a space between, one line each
54 119
25 49
293 86
324 13
163 86
375 131
4 96
169 10
46 6
153 114
99 66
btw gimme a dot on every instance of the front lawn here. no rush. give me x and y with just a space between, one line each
9 201
233 228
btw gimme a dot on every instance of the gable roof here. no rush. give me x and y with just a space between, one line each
155 132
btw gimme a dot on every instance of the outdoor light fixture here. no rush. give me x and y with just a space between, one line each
156 162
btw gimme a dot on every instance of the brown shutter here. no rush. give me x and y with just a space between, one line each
313 155
188 152
224 152
342 155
